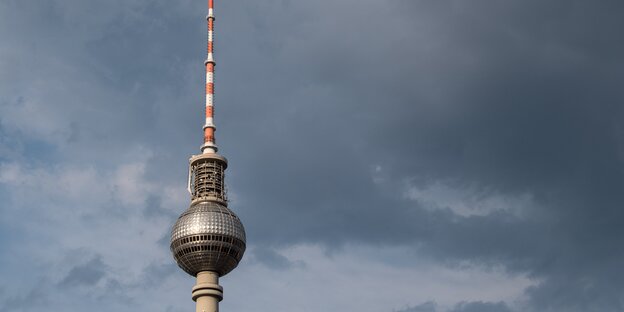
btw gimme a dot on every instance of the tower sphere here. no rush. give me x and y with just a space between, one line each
208 237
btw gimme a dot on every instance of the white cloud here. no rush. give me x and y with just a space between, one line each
466 201
357 279
76 208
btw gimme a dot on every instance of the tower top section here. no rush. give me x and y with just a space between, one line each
210 146
208 239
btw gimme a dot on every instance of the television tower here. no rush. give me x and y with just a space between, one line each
208 239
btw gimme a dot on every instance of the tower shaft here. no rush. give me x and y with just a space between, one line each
207 293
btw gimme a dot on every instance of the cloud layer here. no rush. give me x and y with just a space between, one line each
467 154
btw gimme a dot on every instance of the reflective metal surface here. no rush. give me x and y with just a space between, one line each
208 237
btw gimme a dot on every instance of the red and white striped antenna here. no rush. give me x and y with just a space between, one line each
209 127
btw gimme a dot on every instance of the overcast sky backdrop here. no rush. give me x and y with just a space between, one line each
385 156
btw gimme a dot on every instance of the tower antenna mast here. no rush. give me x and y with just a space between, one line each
209 127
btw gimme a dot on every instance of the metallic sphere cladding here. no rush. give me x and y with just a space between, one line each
208 237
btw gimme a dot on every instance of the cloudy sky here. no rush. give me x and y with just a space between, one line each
385 156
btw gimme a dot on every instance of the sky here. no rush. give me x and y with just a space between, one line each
384 156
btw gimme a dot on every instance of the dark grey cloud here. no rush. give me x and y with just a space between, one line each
476 306
508 99
154 208
481 307
85 275
274 260
156 273
423 307
23 302
330 112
